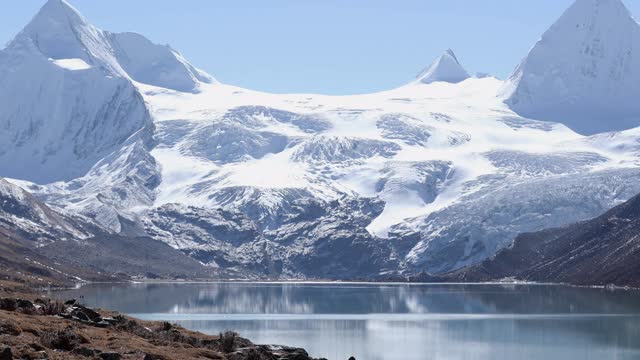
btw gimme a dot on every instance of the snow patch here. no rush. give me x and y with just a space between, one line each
72 64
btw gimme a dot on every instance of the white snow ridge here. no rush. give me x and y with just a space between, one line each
434 175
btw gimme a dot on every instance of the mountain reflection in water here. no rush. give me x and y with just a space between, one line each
395 321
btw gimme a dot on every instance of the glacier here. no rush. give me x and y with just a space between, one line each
431 176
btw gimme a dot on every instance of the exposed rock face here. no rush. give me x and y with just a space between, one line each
315 239
601 251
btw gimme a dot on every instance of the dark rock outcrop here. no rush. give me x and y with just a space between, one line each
602 251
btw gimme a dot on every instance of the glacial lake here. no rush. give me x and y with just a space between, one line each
395 321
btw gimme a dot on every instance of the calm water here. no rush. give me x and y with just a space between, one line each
403 322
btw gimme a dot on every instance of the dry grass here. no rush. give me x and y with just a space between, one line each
228 341
65 339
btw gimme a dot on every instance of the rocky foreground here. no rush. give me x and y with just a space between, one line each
39 328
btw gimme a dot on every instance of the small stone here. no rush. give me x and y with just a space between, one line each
86 352
110 320
110 356
37 347
6 354
70 302
102 324
153 357
352 358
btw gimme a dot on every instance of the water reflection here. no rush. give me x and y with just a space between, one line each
391 322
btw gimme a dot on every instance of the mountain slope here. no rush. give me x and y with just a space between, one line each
21 213
601 251
39 241
584 71
27 225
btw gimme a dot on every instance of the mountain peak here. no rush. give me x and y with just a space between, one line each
60 32
583 72
590 5
451 53
56 16
445 68
58 7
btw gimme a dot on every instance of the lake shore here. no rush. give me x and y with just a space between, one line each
35 327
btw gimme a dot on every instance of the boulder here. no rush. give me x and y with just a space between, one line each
24 304
85 314
8 304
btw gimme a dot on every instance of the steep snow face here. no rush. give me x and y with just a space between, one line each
66 101
584 71
60 122
446 68
68 98
156 65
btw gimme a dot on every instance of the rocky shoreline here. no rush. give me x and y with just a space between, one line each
40 328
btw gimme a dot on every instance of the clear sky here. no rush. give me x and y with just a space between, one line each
323 46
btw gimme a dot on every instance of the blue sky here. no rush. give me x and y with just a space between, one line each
323 46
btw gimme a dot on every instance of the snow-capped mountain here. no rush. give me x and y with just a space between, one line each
584 71
66 101
446 68
68 96
434 175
